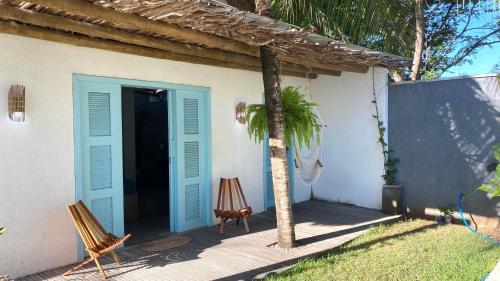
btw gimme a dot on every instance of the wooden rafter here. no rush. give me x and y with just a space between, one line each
87 9
65 24
14 28
144 25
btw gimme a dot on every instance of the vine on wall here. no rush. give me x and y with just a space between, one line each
390 163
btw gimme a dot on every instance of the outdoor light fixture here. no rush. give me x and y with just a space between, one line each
17 106
241 112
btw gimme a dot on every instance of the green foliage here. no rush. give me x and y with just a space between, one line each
390 169
493 186
454 30
447 210
382 24
496 152
390 162
298 116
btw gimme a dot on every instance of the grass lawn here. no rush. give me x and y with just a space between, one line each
411 250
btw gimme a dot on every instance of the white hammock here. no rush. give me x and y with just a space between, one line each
307 159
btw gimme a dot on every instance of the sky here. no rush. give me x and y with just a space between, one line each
485 59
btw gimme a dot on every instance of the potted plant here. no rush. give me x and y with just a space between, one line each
301 123
392 193
446 216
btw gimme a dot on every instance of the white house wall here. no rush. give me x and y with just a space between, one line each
351 155
37 157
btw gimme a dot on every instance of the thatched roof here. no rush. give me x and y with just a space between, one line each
206 24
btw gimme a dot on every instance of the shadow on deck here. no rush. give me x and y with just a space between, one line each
320 226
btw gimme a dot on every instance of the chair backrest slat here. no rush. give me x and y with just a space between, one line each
230 188
231 195
226 191
220 195
92 218
238 196
241 191
91 231
84 234
87 221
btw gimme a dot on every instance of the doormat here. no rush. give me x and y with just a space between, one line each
166 243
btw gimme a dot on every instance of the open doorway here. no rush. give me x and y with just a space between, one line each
145 163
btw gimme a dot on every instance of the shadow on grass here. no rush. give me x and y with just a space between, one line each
348 247
270 270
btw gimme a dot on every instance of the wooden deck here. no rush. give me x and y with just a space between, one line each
320 226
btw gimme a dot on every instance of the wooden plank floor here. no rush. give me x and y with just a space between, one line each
235 255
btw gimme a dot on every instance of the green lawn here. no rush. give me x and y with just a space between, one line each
411 250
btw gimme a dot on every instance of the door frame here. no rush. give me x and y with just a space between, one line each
173 205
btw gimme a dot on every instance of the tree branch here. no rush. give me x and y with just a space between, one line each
481 42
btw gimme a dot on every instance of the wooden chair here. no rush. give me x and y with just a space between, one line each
231 203
96 240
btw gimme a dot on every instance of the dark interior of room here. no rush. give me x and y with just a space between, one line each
146 167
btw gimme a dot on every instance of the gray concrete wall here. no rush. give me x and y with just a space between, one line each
442 131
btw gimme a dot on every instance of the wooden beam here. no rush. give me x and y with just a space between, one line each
332 67
65 24
13 28
87 9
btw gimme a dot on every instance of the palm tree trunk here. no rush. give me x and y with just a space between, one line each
419 40
277 147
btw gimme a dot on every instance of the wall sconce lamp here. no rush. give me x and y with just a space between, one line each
241 108
17 105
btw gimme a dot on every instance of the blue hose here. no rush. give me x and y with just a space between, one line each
480 235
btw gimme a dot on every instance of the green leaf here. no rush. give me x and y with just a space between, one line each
496 151
496 192
493 186
484 187
2 230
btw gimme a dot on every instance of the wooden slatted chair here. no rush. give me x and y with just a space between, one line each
231 203
96 240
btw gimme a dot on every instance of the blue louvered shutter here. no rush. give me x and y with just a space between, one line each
191 166
101 153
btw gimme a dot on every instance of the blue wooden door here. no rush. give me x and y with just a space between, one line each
268 175
100 152
192 159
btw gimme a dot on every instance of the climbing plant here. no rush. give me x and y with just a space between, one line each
300 120
390 163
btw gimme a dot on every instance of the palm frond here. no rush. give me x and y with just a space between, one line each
382 24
